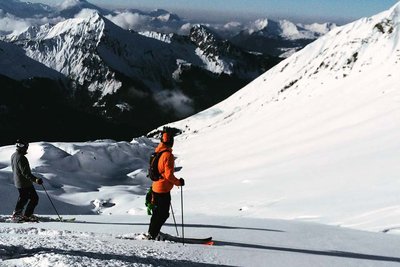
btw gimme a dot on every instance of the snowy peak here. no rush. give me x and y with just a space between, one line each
70 47
287 30
265 27
203 36
213 50
87 23
353 49
319 28
279 38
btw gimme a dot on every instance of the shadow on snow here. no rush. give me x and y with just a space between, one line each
188 225
334 253
19 252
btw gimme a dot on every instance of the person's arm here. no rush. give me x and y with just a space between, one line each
169 170
23 165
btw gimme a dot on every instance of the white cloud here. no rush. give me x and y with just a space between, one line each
233 25
185 29
68 4
128 20
177 101
85 13
12 24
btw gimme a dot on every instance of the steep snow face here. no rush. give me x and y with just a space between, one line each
208 45
326 118
221 56
70 47
16 65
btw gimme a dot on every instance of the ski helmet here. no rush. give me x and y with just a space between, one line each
21 145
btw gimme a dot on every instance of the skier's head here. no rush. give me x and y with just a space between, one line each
167 137
22 146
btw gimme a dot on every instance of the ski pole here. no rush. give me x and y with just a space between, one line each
183 231
173 216
51 203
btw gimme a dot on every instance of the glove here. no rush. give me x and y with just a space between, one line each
182 181
39 181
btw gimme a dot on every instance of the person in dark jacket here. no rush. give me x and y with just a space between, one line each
23 180
161 196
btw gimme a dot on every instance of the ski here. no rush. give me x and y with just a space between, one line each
186 240
10 219
50 219
170 238
67 219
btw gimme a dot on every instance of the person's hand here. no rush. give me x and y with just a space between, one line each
182 181
39 180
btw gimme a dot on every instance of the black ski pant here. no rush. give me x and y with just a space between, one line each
28 196
161 202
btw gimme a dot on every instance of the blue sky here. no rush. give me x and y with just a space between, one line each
339 11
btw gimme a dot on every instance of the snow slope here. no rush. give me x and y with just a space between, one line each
314 138
93 241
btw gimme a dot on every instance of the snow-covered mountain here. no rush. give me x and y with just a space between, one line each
221 56
287 30
160 20
280 38
76 46
119 74
122 73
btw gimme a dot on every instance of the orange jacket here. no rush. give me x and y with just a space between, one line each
166 169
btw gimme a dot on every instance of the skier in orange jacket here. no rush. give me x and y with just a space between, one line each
161 197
